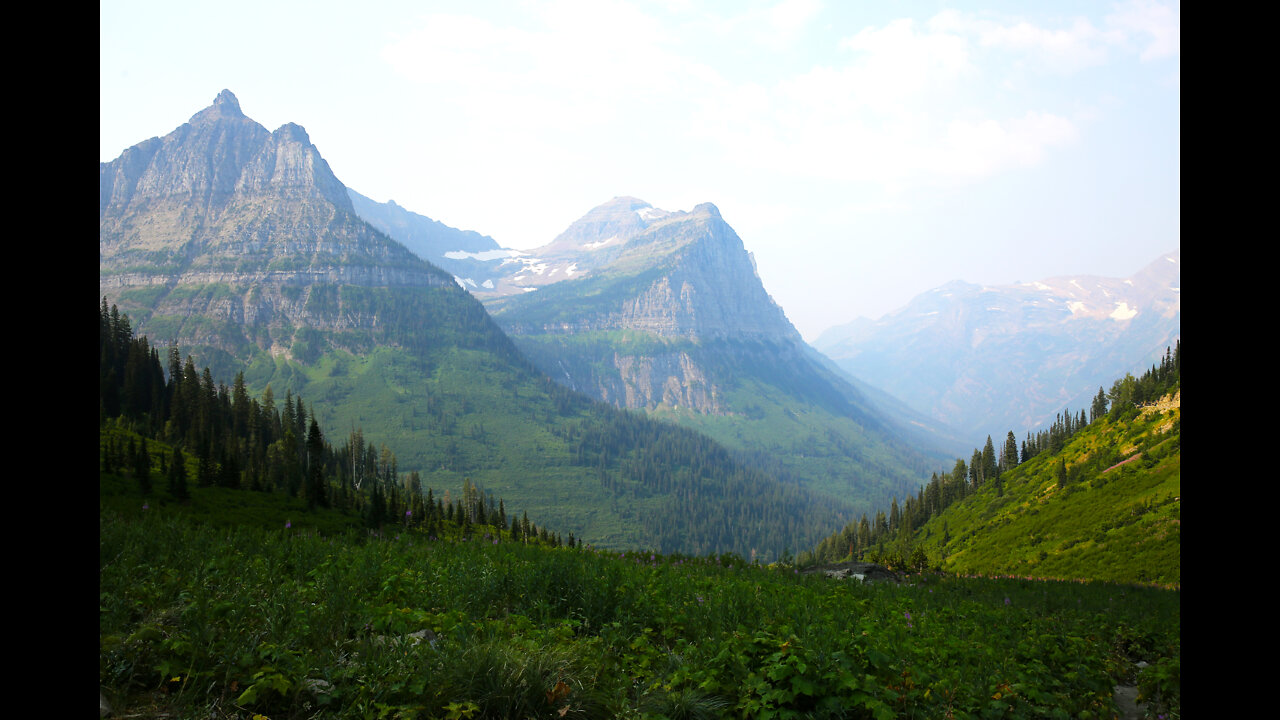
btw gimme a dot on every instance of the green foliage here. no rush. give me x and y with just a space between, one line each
294 623
459 404
1093 500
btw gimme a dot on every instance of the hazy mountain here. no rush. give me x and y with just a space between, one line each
462 253
242 247
990 359
256 220
663 312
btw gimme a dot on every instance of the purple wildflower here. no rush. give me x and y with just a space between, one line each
146 506
287 524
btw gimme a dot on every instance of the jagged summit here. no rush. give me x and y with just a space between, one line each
707 208
220 200
225 105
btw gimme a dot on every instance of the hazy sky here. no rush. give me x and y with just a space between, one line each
865 152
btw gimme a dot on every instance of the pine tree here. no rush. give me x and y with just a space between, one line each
315 487
989 468
178 475
1010 452
142 468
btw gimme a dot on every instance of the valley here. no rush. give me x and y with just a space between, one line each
357 463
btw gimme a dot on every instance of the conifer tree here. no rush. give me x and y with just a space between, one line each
177 475
989 468
1010 452
142 468
315 487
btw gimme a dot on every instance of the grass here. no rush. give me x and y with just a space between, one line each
1114 520
238 620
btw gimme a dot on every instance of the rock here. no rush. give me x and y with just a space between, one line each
866 572
1126 698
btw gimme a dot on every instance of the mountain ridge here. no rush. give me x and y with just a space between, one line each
244 249
991 358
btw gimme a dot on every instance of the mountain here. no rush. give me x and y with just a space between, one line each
240 246
463 253
989 359
225 235
663 312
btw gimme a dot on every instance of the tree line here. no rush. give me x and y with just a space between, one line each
866 538
257 444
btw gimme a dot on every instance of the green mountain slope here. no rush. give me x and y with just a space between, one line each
1096 499
663 312
1116 518
240 246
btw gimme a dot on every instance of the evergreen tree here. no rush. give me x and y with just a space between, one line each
315 487
177 475
1010 454
989 468
142 468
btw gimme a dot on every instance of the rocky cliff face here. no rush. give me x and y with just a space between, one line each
673 278
224 221
663 312
672 275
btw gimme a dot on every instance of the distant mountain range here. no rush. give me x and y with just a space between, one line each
990 359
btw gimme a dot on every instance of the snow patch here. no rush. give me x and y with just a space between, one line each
1041 286
483 256
1175 262
1076 307
1073 282
602 243
1176 289
487 284
650 213
528 289
464 282
1123 311
1128 282
571 270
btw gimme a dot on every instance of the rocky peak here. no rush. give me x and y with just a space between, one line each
707 209
225 106
611 223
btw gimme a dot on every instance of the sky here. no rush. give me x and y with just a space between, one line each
864 152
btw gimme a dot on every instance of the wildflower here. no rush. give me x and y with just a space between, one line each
287 524
146 506
1006 601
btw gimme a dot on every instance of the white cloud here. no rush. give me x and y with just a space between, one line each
1159 24
1063 50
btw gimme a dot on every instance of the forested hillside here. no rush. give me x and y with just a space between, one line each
1094 497
664 487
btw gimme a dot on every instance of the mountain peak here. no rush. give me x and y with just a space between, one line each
224 106
707 208
293 132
